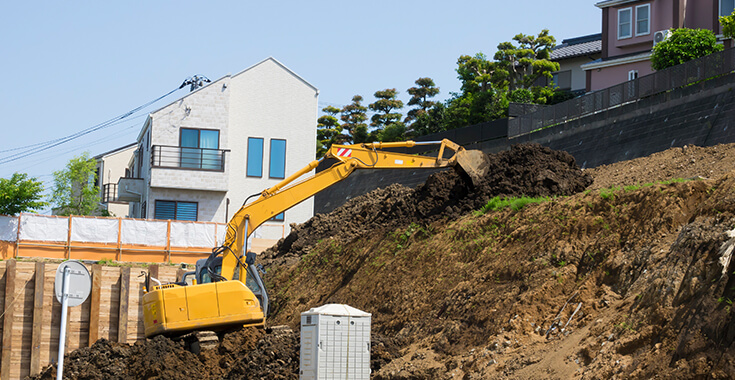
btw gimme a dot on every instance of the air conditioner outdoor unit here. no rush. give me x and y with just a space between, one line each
660 36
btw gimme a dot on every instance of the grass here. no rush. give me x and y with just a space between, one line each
514 203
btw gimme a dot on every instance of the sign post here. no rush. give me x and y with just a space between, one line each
72 287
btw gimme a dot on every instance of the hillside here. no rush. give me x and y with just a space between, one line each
630 281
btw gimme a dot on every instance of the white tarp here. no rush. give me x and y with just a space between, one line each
144 232
222 234
94 230
43 228
8 228
192 235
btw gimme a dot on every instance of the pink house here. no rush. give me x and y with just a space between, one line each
629 28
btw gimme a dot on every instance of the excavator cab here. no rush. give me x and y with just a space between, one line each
253 280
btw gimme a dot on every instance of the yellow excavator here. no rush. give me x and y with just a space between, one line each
226 289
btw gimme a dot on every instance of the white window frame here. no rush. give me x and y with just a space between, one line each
629 9
648 20
719 9
632 74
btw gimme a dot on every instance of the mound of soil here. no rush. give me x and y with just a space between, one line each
244 354
529 169
632 283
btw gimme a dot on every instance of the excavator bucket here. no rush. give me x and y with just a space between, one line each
474 163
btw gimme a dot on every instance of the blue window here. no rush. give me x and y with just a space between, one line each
255 157
278 159
199 149
175 210
727 7
278 218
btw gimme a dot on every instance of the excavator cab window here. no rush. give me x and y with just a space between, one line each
202 274
252 280
252 283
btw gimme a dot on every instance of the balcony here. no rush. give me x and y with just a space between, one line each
176 157
129 189
109 192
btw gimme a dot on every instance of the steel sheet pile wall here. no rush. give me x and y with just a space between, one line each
29 325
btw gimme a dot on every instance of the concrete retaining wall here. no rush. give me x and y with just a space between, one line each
702 114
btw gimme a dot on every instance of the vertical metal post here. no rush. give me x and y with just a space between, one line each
240 269
62 332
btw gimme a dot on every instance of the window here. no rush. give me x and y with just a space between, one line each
199 149
278 218
624 23
726 7
632 74
278 159
176 210
563 80
255 157
143 213
642 19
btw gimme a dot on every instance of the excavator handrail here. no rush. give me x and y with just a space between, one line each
288 193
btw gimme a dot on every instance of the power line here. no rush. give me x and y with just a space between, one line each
56 142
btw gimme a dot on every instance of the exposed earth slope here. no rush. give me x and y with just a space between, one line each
628 282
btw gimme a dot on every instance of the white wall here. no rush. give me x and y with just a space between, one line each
269 101
266 100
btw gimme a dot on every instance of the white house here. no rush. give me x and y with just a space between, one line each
201 156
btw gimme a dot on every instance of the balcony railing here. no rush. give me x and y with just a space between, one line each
109 192
164 156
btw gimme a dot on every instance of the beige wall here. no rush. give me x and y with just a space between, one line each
112 166
579 81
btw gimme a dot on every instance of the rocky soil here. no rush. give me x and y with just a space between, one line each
624 274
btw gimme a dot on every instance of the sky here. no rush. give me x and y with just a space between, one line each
68 66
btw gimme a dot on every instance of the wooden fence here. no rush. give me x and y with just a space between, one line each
31 316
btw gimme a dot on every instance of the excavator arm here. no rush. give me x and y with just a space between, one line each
177 308
296 189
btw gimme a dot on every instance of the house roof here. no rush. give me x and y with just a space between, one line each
97 157
147 122
577 47
282 66
610 3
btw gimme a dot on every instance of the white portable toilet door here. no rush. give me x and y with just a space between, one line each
309 346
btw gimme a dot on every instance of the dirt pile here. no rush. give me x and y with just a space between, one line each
626 282
529 169
633 282
245 354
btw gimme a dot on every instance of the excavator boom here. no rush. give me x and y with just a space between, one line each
176 308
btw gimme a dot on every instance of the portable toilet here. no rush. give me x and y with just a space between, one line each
335 343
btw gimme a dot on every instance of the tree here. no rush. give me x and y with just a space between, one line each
75 192
683 45
353 118
476 73
387 124
328 131
420 96
19 194
519 66
728 25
